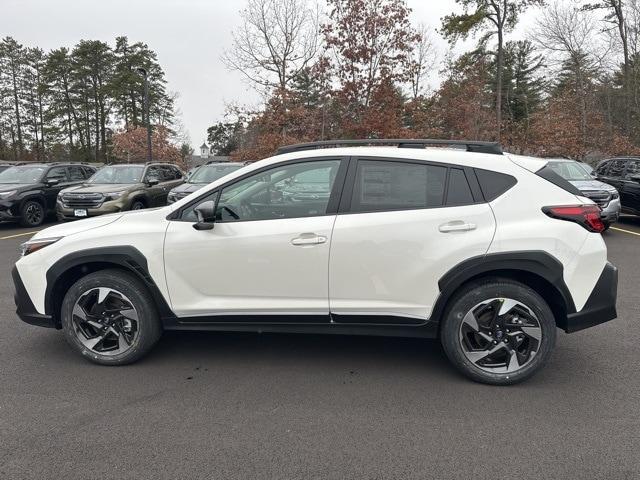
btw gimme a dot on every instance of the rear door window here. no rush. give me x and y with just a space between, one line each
76 173
393 185
616 168
633 168
459 191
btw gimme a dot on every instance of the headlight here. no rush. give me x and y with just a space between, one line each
4 195
108 197
34 245
615 195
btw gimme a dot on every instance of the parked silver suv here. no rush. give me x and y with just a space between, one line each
606 196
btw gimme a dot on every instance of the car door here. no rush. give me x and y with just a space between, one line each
613 173
171 177
630 188
267 257
398 231
55 180
154 192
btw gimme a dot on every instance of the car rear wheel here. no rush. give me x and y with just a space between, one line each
498 331
32 214
110 318
138 205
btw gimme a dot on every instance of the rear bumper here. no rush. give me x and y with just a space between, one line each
600 306
24 306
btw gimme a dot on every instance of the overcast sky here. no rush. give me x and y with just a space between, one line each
188 36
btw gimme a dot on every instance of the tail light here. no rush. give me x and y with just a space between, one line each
587 216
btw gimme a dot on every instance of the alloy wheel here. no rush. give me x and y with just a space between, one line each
500 335
33 214
105 321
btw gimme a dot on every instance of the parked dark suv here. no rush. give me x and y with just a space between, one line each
115 188
624 175
28 192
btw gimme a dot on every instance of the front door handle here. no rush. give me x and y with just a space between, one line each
308 239
457 226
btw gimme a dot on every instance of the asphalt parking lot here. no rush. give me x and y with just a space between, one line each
244 406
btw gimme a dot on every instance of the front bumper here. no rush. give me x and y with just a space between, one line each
24 306
600 306
611 212
6 211
65 213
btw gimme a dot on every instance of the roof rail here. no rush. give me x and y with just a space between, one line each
470 145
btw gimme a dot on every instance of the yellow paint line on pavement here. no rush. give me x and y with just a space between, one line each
625 231
18 235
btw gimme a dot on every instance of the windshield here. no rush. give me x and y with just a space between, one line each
119 174
571 171
23 174
210 173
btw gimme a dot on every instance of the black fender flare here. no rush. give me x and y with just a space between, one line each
126 257
536 262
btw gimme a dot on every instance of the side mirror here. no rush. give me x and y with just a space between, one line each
206 215
151 181
52 181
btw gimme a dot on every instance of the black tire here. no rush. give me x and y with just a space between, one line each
32 214
474 294
148 326
138 204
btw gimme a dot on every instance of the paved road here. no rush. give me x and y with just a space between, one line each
232 406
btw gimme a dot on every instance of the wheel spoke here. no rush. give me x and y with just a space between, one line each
103 293
513 364
79 312
92 343
476 356
533 332
471 321
507 306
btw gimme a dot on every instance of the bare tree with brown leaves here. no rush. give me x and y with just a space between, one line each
276 41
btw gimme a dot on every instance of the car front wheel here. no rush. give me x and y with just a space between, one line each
110 318
498 331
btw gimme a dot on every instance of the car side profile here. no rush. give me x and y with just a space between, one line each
624 175
443 243
117 188
28 191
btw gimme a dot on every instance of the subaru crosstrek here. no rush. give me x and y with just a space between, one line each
412 241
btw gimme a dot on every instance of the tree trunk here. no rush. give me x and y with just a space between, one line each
499 83
14 77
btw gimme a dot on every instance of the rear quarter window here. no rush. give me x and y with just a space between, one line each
493 184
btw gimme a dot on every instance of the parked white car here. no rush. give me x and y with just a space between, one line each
450 243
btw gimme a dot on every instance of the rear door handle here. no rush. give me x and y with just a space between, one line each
457 226
308 239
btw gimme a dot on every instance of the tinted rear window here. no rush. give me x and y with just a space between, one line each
382 185
493 184
459 191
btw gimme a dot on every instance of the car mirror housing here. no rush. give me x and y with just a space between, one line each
206 215
152 181
52 181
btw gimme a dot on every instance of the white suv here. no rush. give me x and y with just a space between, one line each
486 251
